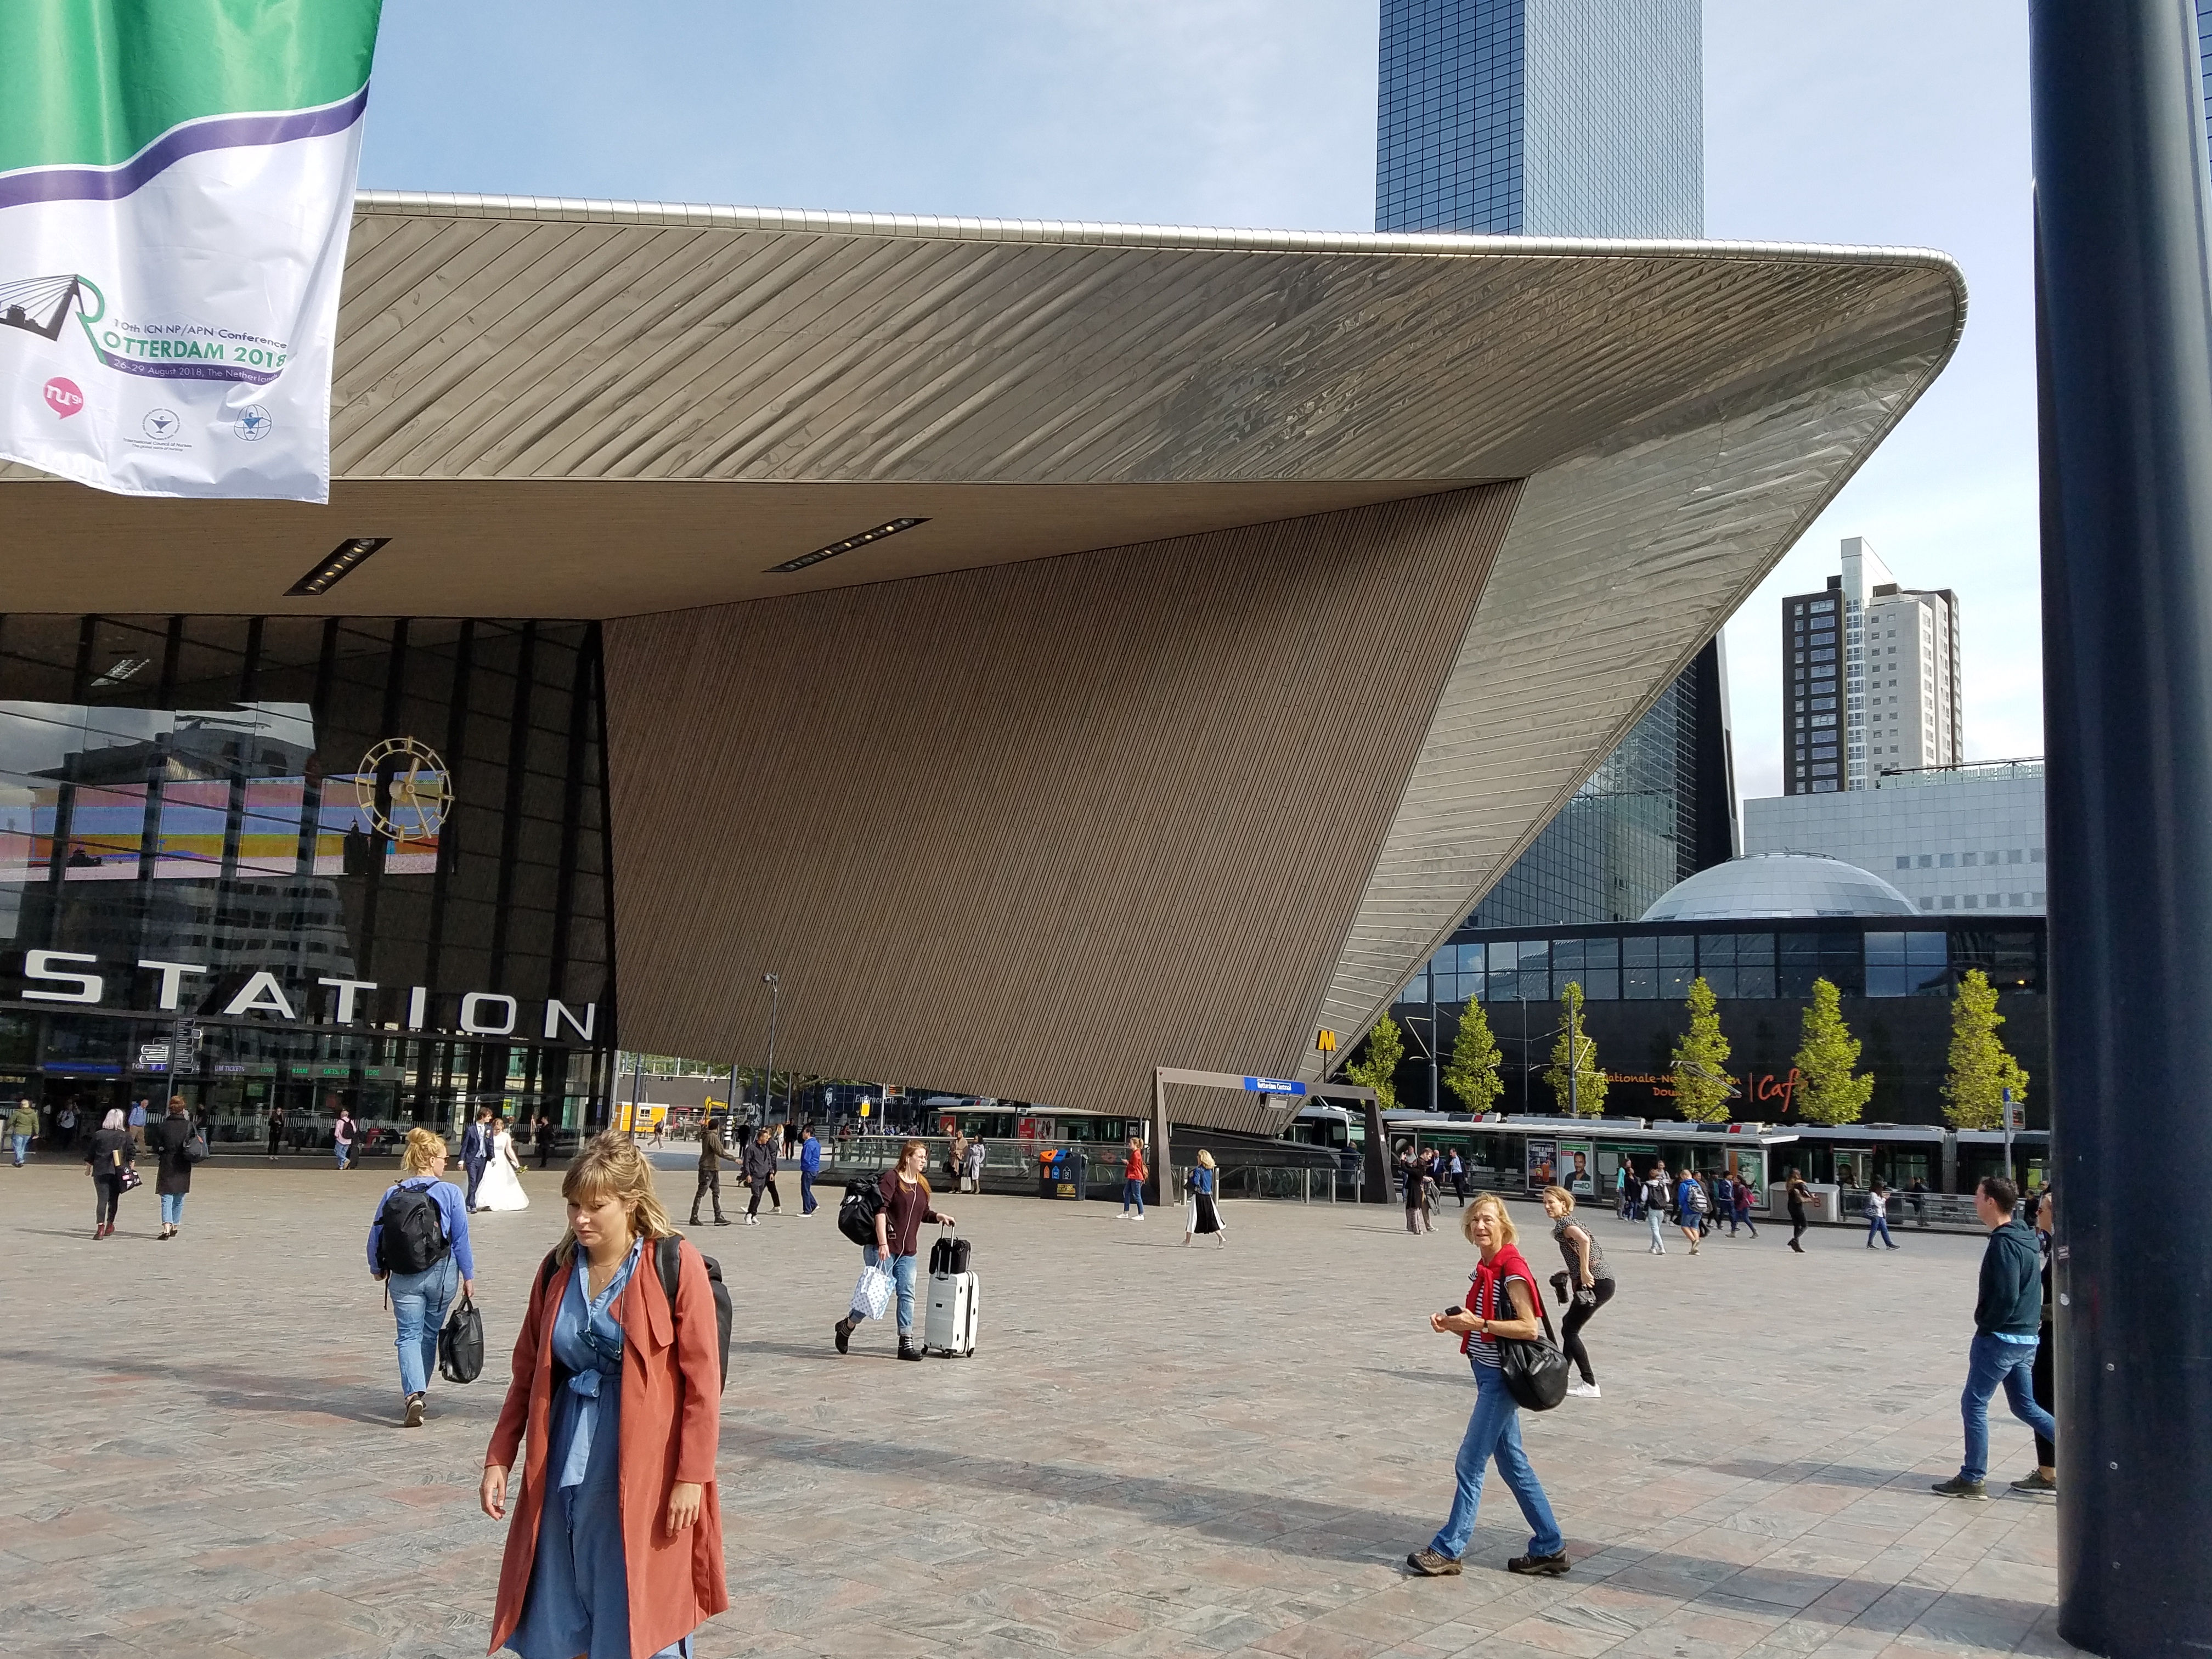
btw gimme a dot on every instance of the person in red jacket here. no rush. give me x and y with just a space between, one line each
615 1549
1132 1180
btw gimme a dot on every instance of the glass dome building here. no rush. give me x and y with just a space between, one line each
1780 884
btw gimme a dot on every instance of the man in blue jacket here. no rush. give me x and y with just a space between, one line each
810 1165
2008 1313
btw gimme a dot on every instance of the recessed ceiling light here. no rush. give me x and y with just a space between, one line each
124 669
327 574
891 528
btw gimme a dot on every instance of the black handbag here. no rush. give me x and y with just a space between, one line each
461 1343
1535 1370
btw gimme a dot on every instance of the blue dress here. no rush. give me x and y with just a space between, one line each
578 1596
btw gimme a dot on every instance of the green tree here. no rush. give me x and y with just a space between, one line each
1377 1066
1472 1074
1702 1088
1588 1094
1981 1069
1829 1093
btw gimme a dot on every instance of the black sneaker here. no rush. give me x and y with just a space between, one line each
1540 1567
844 1334
1430 1565
1959 1486
2039 1481
908 1351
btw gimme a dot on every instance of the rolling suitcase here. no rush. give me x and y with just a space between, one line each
956 1300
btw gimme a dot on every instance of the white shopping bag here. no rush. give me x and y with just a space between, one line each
871 1297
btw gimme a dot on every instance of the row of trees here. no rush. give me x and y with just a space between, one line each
1831 1088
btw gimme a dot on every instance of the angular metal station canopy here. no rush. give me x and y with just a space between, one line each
1208 527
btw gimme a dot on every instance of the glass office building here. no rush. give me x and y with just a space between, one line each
1565 118
305 863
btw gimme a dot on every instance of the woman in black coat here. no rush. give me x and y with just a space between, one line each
167 1137
111 1153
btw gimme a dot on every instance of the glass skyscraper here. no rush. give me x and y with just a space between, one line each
1571 117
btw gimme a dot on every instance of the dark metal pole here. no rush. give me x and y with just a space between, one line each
775 984
2124 312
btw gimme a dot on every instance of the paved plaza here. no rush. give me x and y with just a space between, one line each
1157 1451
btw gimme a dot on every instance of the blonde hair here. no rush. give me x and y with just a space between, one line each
1562 1194
1507 1232
610 1166
921 1174
424 1148
1206 1158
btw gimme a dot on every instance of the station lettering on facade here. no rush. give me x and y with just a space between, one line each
75 979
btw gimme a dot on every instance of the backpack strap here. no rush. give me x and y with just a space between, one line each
546 1269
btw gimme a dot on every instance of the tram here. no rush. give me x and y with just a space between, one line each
1585 1155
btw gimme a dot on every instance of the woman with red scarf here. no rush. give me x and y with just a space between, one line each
1501 1302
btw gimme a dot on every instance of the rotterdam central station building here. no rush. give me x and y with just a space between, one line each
1052 650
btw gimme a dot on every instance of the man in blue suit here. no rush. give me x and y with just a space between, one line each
476 1152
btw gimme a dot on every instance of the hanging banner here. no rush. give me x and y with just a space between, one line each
176 186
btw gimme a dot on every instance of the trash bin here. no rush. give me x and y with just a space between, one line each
1060 1172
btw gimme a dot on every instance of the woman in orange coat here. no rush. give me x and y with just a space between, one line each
615 1549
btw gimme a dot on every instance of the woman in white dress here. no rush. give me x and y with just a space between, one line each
501 1186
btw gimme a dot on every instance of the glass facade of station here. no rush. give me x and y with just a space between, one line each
354 861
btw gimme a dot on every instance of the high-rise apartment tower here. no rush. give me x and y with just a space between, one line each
1871 679
1572 117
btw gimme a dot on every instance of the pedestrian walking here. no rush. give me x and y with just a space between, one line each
545 1137
810 1165
2007 1318
341 1137
1458 1178
136 1124
22 1125
955 1160
2045 1476
1877 1209
616 1547
710 1172
65 1126
1917 1195
174 1179
1623 1191
418 1247
476 1154
109 1160
1584 1287
1741 1200
1501 1302
905 1209
1800 1194
1204 1215
759 1164
275 1132
1133 1179
1654 1200
1690 1207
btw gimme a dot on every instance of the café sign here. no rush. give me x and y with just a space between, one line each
73 978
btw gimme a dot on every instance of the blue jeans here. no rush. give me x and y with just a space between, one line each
1494 1432
23 1148
902 1268
1991 1364
419 1302
1658 1242
341 1153
172 1209
806 1204
1878 1227
1133 1192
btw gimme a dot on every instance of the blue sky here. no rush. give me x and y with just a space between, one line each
1879 122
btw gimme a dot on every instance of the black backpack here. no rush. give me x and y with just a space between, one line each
668 1257
856 1215
413 1236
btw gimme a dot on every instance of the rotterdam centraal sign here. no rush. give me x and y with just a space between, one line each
157 986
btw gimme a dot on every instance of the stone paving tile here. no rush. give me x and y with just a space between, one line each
1157 1452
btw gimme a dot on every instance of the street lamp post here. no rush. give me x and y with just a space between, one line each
775 984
